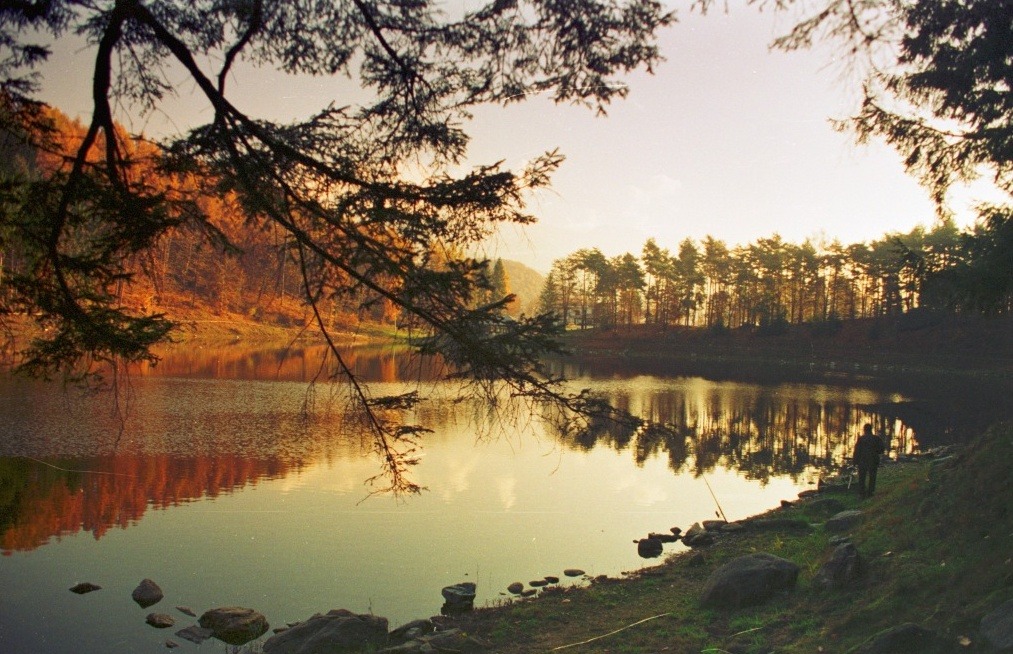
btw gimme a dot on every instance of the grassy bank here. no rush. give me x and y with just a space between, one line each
935 543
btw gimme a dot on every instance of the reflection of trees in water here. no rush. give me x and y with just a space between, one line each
757 431
43 500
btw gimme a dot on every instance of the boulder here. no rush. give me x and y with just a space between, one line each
538 583
515 588
85 587
147 593
649 548
749 579
234 625
664 538
907 638
337 631
552 579
714 525
843 521
574 572
997 626
160 620
843 567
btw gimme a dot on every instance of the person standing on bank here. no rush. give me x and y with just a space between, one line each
868 449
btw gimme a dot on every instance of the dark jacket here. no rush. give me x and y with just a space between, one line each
868 450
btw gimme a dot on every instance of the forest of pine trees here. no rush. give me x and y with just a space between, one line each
771 283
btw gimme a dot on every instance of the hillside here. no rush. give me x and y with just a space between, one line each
526 283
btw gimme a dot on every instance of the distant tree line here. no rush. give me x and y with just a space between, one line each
772 283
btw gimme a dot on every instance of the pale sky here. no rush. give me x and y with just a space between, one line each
726 139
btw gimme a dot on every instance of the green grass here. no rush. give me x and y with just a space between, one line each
935 542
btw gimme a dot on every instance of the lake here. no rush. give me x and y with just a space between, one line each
230 479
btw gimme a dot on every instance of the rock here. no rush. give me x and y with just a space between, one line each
695 530
160 620
171 644
844 566
463 593
812 492
411 631
195 634
515 588
186 610
907 638
451 640
650 548
552 579
843 521
85 587
699 540
785 504
147 593
749 579
538 583
234 625
339 630
664 538
574 572
677 531
997 626
714 525
529 592
732 527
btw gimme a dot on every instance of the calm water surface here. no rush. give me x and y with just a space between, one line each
228 480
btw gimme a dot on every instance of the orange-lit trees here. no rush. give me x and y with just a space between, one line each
367 194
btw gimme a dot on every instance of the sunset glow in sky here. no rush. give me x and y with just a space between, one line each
726 139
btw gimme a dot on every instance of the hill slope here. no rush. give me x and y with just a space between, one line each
526 283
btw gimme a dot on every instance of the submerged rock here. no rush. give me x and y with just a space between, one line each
234 625
195 634
147 593
84 587
160 620
186 610
337 631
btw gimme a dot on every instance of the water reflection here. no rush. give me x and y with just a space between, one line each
43 500
205 422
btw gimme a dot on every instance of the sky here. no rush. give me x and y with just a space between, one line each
726 139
